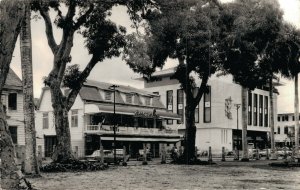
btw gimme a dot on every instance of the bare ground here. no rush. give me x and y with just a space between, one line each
224 175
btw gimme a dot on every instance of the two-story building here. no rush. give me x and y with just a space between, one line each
12 99
140 117
285 130
216 115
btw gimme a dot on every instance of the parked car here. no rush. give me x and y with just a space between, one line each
263 152
283 151
108 156
252 153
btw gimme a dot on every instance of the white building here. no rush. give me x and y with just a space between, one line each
285 130
12 99
140 118
216 115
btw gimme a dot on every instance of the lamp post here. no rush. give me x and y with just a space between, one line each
114 121
237 129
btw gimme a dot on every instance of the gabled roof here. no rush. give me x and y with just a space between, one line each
13 81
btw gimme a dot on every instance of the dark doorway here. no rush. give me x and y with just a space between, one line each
50 143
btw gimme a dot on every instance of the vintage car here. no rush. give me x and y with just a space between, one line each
108 156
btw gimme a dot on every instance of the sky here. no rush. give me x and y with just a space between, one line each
115 70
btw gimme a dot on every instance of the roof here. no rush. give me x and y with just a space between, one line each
90 93
13 81
121 88
164 72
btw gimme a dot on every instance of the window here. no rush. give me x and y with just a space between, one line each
278 118
157 93
74 118
197 114
180 99
249 108
255 110
3 101
12 101
108 95
129 98
266 111
293 118
286 118
147 101
278 130
170 104
261 110
45 121
286 130
207 106
14 134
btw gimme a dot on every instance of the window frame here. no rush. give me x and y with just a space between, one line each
74 118
171 101
181 102
45 118
15 106
207 106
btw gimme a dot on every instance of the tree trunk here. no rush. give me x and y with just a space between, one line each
31 166
10 174
63 149
11 16
273 155
190 134
296 107
244 123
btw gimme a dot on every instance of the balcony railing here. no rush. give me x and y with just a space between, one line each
104 129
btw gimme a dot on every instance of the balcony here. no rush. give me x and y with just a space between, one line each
105 129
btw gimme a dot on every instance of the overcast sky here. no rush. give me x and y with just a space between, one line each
115 70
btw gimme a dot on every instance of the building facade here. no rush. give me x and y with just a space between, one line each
285 130
140 118
216 115
12 100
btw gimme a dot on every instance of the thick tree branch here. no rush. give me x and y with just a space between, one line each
83 18
202 89
49 29
71 13
83 76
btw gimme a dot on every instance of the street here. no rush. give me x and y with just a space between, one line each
223 175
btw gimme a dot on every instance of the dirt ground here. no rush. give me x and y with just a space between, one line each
224 175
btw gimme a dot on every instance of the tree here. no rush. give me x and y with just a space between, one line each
11 16
103 40
188 31
291 49
31 166
250 52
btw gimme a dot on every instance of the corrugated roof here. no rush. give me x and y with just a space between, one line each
121 88
90 94
13 81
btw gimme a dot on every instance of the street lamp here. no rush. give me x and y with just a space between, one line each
114 121
237 129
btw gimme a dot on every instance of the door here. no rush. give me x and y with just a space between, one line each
50 143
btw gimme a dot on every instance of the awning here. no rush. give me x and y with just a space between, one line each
140 139
147 112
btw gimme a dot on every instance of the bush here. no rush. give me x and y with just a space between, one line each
73 165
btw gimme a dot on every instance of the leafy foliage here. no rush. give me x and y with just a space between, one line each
72 76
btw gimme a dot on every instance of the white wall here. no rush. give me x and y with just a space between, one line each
77 135
16 117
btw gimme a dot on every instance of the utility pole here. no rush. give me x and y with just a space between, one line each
237 129
114 121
